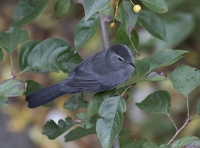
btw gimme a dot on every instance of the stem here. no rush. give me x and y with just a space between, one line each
178 131
105 39
104 33
11 61
188 111
116 143
134 46
126 90
173 123
195 118
132 2
13 74
22 71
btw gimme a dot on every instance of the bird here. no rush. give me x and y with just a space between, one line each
102 71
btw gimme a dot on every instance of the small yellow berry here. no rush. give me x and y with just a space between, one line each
136 8
112 25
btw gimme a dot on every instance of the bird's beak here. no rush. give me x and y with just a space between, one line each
132 64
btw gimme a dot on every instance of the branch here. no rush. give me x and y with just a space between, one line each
105 39
178 131
104 33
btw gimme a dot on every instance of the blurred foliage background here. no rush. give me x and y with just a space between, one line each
21 126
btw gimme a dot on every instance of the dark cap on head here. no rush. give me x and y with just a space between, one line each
123 51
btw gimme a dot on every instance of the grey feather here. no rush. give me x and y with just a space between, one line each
102 71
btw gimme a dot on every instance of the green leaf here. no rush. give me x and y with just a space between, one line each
156 5
135 144
97 100
185 79
107 13
12 88
124 131
142 68
3 102
24 51
186 142
123 38
62 7
124 141
127 16
162 58
53 54
85 30
75 102
198 107
174 5
49 104
1 54
175 24
154 76
153 24
11 38
26 11
111 111
31 87
83 120
78 133
82 115
92 6
127 93
158 102
166 57
150 145
53 130
164 146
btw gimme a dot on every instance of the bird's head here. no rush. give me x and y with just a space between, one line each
122 54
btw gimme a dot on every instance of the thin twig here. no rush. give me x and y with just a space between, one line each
134 46
11 61
195 118
132 2
173 123
104 33
126 90
188 111
178 131
13 74
26 69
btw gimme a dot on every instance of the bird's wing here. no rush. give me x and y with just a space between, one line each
87 80
88 76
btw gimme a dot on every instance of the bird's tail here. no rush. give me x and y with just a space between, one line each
44 95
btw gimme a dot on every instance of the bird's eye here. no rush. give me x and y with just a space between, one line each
119 59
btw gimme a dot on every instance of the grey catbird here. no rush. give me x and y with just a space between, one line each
102 71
